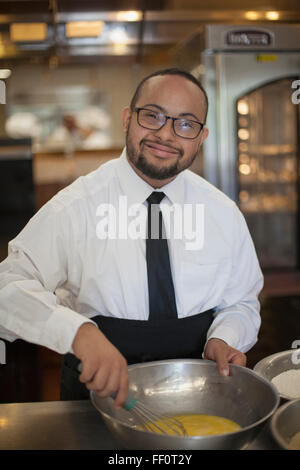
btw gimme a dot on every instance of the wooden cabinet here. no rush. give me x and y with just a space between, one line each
20 376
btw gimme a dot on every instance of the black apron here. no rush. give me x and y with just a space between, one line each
142 341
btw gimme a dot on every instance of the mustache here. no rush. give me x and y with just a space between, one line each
175 149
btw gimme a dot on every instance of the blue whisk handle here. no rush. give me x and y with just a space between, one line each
129 403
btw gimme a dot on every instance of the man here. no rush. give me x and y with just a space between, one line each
101 299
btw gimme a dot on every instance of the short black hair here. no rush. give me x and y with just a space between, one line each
170 71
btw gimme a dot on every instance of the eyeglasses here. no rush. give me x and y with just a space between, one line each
155 120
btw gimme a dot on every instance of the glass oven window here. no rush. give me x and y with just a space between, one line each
267 139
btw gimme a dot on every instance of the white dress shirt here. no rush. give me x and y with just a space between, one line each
60 271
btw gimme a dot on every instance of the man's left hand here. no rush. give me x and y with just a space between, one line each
223 354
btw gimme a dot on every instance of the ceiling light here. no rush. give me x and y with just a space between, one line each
79 29
252 15
133 15
272 15
24 32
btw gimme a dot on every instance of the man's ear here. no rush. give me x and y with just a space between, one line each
203 136
126 115
205 133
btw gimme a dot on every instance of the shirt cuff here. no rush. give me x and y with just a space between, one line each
225 333
61 328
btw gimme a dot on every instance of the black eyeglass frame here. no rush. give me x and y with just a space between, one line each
137 110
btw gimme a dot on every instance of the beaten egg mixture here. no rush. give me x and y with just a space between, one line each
201 425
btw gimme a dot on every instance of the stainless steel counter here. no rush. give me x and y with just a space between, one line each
68 425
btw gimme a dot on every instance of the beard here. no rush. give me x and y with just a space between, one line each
140 162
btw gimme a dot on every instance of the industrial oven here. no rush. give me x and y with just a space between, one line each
251 75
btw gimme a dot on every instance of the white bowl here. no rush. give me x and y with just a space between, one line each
275 364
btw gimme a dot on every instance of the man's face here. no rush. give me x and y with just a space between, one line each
159 155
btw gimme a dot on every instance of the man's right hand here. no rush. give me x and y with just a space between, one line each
104 368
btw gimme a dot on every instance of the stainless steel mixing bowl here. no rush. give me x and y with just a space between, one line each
275 364
285 423
192 386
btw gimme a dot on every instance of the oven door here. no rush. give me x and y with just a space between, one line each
267 170
251 153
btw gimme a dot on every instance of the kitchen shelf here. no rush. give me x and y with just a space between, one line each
272 150
266 212
252 182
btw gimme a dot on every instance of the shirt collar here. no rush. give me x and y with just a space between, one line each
138 190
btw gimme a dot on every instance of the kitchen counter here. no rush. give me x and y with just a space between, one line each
60 168
75 425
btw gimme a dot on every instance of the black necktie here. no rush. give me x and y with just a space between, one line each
162 302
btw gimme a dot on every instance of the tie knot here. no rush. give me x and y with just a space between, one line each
156 197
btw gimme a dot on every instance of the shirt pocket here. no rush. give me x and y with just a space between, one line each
203 284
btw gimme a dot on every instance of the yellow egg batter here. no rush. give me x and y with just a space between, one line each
202 425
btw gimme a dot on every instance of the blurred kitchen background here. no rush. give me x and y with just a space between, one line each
67 68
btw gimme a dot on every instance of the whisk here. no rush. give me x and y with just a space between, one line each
151 421
148 419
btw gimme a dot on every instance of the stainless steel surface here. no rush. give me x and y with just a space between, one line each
285 423
147 417
253 158
145 28
217 13
229 71
74 425
275 364
217 39
192 386
53 425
